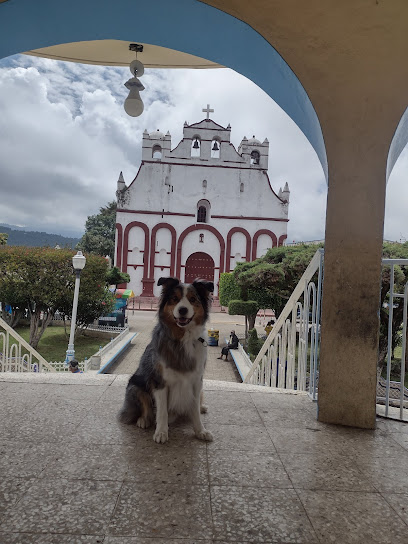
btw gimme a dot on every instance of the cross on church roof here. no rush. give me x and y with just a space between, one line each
208 111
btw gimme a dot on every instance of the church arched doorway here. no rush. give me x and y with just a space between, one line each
199 265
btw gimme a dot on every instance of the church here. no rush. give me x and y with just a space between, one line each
196 210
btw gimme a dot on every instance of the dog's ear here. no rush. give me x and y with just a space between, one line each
168 283
203 287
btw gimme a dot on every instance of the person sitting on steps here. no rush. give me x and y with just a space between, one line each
232 344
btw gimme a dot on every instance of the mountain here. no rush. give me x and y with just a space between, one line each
18 237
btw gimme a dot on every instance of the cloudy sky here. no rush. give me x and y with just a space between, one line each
64 138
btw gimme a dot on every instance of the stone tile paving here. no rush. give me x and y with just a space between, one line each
101 482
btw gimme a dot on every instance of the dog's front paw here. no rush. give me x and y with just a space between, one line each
142 423
203 409
204 435
160 436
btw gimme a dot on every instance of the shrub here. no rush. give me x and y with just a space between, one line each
243 307
254 343
228 288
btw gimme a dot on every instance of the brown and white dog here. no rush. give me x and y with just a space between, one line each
169 379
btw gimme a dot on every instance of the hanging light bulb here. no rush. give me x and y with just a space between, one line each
133 104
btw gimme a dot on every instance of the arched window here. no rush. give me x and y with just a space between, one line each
157 152
215 149
241 187
255 156
196 147
203 211
202 214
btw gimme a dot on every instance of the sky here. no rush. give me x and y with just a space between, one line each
65 137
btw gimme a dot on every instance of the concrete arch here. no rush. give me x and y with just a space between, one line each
399 141
30 25
248 245
153 246
200 226
146 249
258 233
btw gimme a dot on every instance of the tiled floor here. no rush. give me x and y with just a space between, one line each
70 473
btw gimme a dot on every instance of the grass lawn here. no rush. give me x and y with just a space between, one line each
54 343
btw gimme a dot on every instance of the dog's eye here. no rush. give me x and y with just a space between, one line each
193 299
174 299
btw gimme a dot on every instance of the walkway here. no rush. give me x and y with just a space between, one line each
143 322
70 473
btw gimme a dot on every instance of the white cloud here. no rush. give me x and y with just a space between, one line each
64 138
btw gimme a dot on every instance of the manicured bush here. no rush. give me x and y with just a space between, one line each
243 307
228 288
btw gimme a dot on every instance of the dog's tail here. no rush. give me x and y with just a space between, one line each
137 404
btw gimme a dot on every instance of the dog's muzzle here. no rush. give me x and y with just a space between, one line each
183 321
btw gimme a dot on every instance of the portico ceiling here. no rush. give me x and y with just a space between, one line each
117 53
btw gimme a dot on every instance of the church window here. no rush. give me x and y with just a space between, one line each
241 187
196 147
204 184
157 152
202 214
255 156
215 149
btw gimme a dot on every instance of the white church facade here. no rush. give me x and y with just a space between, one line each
198 209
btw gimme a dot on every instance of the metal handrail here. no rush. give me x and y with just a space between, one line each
11 352
291 306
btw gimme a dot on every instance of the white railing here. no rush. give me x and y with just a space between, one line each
16 355
289 357
105 328
394 394
113 342
60 366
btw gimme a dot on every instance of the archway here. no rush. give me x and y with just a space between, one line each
199 265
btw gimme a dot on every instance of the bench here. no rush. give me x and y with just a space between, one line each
241 360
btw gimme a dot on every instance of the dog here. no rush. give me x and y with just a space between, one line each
169 379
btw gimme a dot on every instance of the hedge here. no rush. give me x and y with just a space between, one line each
243 307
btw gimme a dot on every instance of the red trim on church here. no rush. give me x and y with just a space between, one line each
153 248
248 218
192 228
282 239
147 283
255 240
156 213
248 246
119 228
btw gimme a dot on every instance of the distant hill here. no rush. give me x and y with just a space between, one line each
37 239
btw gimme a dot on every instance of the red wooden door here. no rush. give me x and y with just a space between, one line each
199 265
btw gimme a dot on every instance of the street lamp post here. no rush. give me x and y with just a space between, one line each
78 262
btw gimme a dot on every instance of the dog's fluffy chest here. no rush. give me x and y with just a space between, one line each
184 387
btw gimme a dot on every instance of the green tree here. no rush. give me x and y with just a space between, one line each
116 277
3 239
41 281
94 298
99 237
41 275
230 290
271 279
392 251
